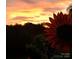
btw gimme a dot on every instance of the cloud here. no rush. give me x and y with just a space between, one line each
52 9
28 10
31 1
52 0
57 0
43 14
10 2
21 18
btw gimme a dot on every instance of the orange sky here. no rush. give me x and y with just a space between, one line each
35 11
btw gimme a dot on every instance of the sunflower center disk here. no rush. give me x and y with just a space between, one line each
65 33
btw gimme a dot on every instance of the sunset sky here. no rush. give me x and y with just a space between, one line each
34 11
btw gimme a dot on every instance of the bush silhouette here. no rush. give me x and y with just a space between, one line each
19 36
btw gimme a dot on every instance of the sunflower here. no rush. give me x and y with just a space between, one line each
59 32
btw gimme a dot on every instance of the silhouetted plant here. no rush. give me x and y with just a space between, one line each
59 32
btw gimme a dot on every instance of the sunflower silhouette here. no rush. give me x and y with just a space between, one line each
59 32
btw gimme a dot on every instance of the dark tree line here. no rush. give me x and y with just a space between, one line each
24 41
18 37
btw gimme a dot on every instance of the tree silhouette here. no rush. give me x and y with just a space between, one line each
20 38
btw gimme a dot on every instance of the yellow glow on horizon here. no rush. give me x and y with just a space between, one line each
35 13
